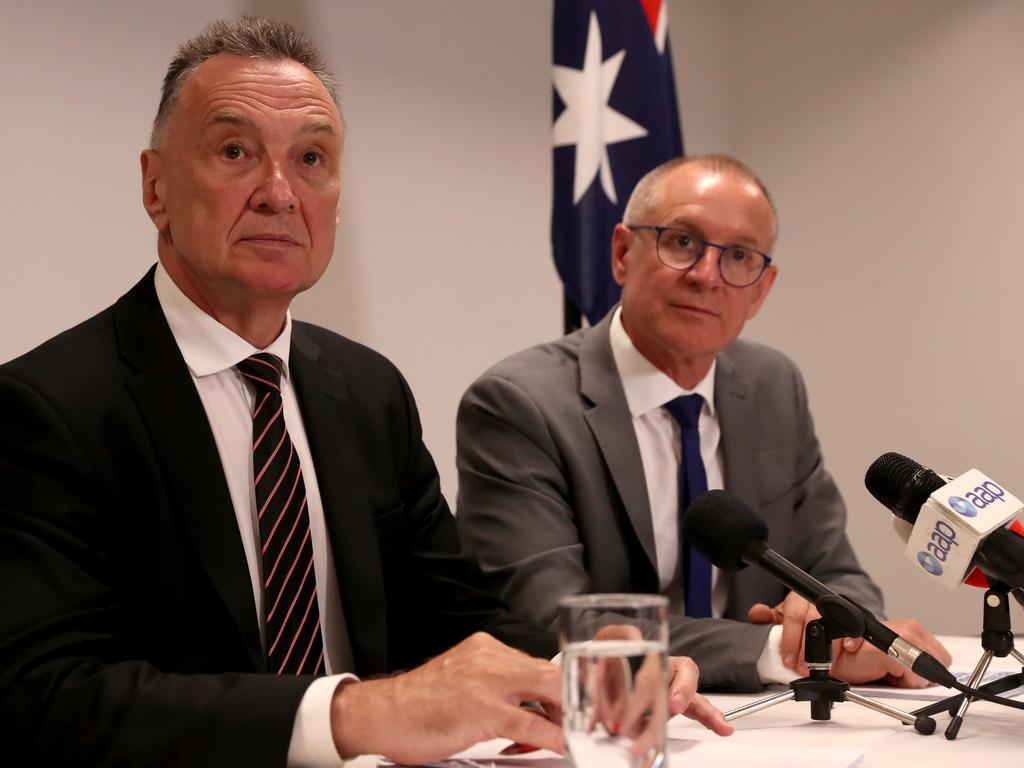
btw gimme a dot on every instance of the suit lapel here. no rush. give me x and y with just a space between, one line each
327 413
741 454
612 426
736 415
170 406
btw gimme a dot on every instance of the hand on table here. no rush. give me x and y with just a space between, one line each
853 660
859 662
466 695
625 700
794 613
683 698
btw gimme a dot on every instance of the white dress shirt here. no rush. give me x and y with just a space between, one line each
659 437
211 351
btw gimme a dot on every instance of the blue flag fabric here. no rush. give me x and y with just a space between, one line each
615 118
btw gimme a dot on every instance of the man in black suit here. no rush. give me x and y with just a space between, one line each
136 620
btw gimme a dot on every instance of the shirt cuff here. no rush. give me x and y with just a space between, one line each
769 666
312 742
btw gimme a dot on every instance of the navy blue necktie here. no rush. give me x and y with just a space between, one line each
692 483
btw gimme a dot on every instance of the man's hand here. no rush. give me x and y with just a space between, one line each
858 662
683 698
468 694
794 614
853 660
625 706
637 703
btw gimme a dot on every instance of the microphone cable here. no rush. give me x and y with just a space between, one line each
986 696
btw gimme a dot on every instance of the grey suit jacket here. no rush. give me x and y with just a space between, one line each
552 496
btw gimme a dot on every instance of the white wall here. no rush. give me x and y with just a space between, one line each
443 259
79 85
890 133
888 130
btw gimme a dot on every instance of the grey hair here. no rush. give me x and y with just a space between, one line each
647 192
252 36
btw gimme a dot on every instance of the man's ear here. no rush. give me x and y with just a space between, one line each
153 187
622 238
761 289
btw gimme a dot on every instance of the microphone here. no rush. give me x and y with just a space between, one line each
732 536
959 524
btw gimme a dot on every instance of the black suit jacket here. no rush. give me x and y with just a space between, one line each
128 633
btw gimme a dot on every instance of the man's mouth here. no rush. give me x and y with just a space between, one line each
697 309
271 239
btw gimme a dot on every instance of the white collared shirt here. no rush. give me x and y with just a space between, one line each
658 434
211 351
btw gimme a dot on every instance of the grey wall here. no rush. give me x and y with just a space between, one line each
888 130
890 134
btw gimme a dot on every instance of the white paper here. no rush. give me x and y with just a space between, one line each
729 754
489 753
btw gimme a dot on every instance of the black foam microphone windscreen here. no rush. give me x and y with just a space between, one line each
721 526
901 484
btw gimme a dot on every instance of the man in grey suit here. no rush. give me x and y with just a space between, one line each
570 462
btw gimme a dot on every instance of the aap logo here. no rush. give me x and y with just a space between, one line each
976 499
929 563
962 506
937 550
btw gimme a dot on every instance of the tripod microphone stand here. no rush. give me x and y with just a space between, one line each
996 640
823 691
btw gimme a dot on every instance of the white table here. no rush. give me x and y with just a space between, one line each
991 737
855 737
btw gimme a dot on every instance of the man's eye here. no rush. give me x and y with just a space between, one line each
684 241
232 152
311 158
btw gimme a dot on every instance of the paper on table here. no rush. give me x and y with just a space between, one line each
934 692
833 744
710 754
488 753
726 754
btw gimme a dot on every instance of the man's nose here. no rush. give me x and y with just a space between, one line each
706 270
274 192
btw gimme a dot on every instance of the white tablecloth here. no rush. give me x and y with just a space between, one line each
855 737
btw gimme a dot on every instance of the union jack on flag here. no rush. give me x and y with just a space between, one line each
615 118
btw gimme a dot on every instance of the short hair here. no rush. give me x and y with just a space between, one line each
646 194
252 36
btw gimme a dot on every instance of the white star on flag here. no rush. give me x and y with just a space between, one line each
588 121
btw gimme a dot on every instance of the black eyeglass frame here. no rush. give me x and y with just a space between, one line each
658 230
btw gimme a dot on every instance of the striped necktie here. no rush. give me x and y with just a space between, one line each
294 645
692 483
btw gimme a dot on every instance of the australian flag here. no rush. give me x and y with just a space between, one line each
615 118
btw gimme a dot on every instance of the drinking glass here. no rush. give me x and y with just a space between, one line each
615 688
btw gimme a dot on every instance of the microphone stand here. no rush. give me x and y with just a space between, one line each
823 691
996 640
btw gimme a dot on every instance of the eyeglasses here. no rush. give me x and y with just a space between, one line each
681 249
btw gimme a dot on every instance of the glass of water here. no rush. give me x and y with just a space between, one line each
615 687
